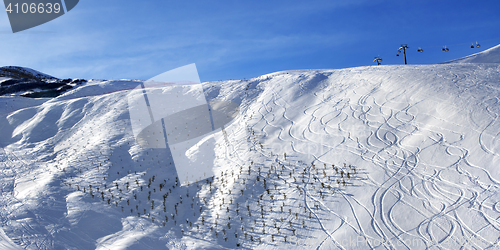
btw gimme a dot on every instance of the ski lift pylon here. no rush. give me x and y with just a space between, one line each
403 47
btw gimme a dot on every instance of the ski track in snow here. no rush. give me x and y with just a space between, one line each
404 184
423 173
7 175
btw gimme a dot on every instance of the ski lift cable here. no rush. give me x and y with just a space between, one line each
460 44
443 48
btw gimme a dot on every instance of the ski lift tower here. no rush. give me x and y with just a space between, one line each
378 60
403 47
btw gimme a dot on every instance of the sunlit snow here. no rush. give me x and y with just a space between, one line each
378 157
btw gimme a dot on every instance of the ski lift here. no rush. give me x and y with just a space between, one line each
445 49
478 45
377 59
403 47
420 50
472 46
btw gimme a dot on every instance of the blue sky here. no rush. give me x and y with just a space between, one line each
236 39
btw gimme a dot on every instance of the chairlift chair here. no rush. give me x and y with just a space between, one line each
445 49
478 45
472 46
420 50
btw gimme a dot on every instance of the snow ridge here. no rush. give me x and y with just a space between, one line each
17 72
491 55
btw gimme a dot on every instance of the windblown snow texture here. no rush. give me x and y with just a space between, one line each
382 157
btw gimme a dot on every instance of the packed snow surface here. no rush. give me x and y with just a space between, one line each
382 157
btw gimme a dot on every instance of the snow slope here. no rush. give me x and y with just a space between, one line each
491 55
382 157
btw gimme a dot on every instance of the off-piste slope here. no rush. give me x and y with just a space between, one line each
383 157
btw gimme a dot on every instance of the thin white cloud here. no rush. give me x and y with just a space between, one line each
110 42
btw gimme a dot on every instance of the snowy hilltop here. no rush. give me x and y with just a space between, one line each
491 55
378 157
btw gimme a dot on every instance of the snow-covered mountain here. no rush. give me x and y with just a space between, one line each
17 72
380 157
26 82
